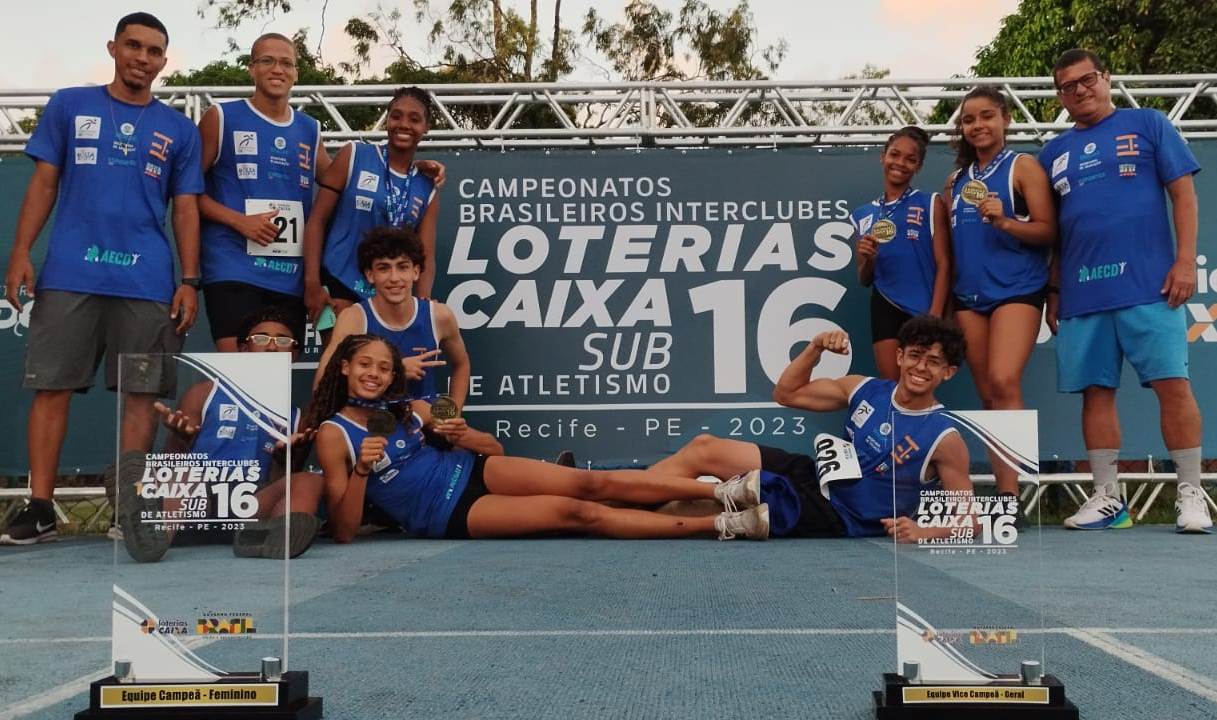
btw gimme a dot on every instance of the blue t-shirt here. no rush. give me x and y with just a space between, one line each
1109 181
262 164
990 265
420 332
886 436
374 195
905 266
230 431
119 164
416 484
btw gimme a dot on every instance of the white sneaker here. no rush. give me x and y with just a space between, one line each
1100 512
1192 511
740 492
752 523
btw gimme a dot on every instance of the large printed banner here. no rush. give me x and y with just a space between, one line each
618 303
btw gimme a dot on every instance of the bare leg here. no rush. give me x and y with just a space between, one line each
975 327
507 516
1012 332
48 424
1100 421
306 495
138 422
1179 413
709 455
885 359
520 476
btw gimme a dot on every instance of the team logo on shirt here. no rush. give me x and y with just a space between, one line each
226 432
862 413
229 412
88 127
95 254
305 156
127 129
368 181
1126 145
1090 148
865 223
247 171
388 475
363 202
160 146
152 170
885 429
86 156
915 216
1128 169
401 444
1062 187
381 464
280 143
305 181
1060 164
245 142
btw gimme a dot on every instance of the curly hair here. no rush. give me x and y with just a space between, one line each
332 392
965 154
919 137
389 243
416 94
925 330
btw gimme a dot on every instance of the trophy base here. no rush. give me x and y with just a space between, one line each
1012 700
233 697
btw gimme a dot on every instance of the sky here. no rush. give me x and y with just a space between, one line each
915 39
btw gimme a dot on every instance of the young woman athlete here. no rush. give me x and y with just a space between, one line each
472 489
1003 225
901 247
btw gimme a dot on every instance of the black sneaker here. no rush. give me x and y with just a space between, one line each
34 524
144 541
566 458
266 538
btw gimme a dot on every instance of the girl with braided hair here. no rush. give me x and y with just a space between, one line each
474 491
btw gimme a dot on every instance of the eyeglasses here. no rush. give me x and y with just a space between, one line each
266 61
263 340
1090 79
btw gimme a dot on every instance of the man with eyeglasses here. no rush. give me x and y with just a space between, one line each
261 158
110 160
1123 280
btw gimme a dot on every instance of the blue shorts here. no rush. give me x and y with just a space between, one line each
1090 349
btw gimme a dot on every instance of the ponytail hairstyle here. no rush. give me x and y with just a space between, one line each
919 137
965 154
418 95
332 392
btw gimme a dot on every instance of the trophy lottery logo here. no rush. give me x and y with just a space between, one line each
960 521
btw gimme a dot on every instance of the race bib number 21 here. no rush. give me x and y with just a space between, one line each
289 222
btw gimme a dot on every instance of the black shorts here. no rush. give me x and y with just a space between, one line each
817 518
230 302
885 318
458 522
338 289
1035 300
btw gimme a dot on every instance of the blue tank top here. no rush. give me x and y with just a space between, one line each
990 265
886 436
262 165
1116 241
119 166
416 484
374 195
905 267
419 333
229 433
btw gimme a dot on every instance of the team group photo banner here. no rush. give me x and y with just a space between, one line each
618 303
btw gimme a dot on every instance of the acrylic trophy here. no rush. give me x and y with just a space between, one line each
201 572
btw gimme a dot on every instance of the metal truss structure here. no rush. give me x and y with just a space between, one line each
690 114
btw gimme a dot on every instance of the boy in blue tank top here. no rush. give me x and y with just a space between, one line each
924 450
1124 280
421 329
261 158
109 159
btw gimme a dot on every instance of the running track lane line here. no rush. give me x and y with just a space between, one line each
1150 663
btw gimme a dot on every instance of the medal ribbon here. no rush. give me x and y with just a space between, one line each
375 404
886 209
991 167
397 199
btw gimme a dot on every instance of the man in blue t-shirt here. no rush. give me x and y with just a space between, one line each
110 159
1123 279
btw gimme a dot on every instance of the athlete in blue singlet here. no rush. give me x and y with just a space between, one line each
901 245
262 158
900 432
392 260
1124 280
109 160
1002 228
369 186
472 490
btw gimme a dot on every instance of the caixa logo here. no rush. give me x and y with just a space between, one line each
1202 318
16 319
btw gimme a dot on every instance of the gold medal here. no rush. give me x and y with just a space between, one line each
883 231
382 423
444 408
974 192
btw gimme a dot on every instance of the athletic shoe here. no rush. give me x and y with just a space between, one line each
1192 511
35 523
740 492
566 458
265 539
144 541
1100 512
752 523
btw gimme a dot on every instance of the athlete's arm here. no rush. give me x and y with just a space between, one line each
345 485
349 322
329 190
185 305
458 432
184 422
454 350
950 460
40 196
426 233
942 256
1180 282
795 390
323 158
868 250
258 228
1031 182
